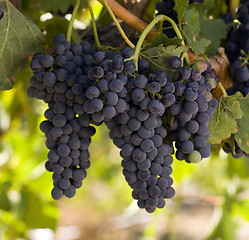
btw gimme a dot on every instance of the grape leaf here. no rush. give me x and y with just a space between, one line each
213 29
165 41
180 7
223 124
19 38
242 136
158 57
191 32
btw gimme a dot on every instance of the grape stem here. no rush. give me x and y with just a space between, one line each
70 25
121 31
222 89
233 6
129 18
159 18
95 32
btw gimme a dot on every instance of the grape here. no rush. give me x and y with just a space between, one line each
186 147
53 155
154 191
64 183
175 108
154 87
183 134
191 107
155 169
48 166
95 72
192 126
117 66
147 145
194 157
57 193
175 62
143 66
169 99
179 89
190 94
70 192
184 73
129 66
143 175
138 155
170 192
134 124
111 98
120 106
79 175
137 95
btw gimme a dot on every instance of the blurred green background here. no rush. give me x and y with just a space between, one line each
212 197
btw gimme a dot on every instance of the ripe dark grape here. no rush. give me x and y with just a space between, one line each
83 87
193 108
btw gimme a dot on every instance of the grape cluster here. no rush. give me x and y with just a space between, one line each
236 151
191 104
237 49
60 81
84 87
139 133
166 7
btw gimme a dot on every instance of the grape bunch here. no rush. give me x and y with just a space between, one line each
59 80
191 104
139 133
237 49
235 151
85 87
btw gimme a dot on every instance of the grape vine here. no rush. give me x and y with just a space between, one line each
156 95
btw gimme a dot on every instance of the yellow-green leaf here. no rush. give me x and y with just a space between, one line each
223 124
242 136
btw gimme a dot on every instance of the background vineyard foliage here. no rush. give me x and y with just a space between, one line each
221 182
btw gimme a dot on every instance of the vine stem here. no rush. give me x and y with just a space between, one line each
95 32
159 18
129 18
70 25
222 89
121 31
233 6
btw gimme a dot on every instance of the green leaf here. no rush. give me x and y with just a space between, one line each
242 136
220 7
165 41
223 124
191 32
158 57
180 7
19 38
212 29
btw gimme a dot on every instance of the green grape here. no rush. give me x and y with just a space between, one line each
194 157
